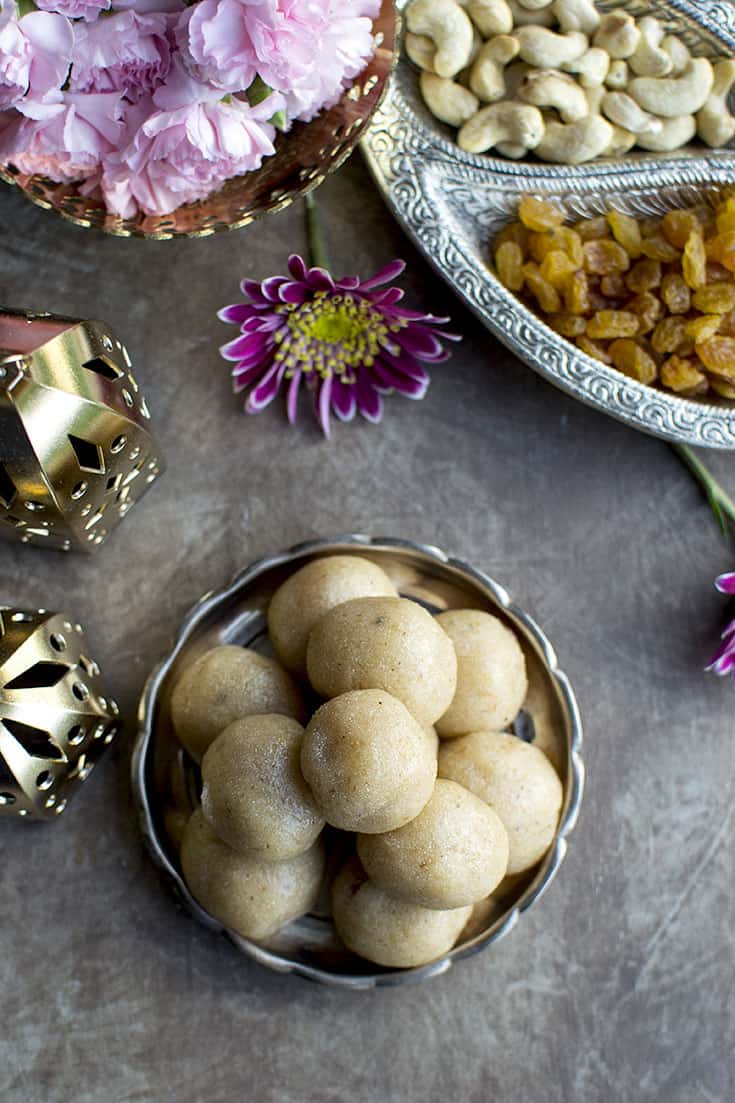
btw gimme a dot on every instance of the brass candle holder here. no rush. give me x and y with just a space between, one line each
76 449
56 719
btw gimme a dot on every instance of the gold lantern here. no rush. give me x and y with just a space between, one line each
55 716
76 450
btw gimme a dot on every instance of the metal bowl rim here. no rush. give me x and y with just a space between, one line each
271 959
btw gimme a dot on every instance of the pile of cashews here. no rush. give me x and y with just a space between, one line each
595 86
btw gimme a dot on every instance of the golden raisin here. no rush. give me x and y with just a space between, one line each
694 261
604 257
722 387
715 271
669 334
577 294
590 229
703 327
678 225
726 215
650 225
515 232
570 243
626 232
643 276
629 358
683 376
675 293
509 265
557 267
546 296
613 286
715 298
727 325
594 349
613 323
539 244
569 325
658 248
648 308
718 355
539 214
721 249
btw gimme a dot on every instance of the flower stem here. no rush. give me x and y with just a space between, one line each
719 500
314 234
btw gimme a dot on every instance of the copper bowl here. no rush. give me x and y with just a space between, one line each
303 158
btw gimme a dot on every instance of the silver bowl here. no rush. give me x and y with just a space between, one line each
166 781
452 204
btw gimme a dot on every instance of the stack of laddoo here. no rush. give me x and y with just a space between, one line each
430 801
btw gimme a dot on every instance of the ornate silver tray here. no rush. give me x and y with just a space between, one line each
166 781
453 203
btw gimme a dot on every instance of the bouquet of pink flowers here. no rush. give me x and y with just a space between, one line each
151 103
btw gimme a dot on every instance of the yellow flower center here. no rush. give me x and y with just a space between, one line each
332 335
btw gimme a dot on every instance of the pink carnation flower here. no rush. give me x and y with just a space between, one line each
306 49
35 54
144 7
64 141
184 145
126 52
75 9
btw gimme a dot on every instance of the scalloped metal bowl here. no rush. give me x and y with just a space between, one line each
303 158
453 204
165 780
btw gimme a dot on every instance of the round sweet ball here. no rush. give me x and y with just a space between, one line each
433 738
491 673
453 853
246 894
387 643
253 793
517 781
369 764
307 595
388 930
223 685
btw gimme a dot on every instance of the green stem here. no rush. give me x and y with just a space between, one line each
719 500
317 250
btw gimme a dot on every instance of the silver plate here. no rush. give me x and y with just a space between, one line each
165 780
453 203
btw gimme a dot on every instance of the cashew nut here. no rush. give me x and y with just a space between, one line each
421 50
617 33
577 15
672 134
518 123
514 75
678 54
547 50
534 5
547 88
591 68
622 142
522 17
672 96
649 59
490 16
594 99
512 150
715 124
617 75
620 109
573 143
448 26
447 100
487 79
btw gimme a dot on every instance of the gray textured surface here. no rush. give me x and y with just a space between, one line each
618 985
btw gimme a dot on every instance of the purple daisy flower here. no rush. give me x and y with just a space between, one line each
724 660
346 340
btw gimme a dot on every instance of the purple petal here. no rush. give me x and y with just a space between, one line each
241 380
369 402
297 267
724 659
293 292
245 347
236 313
293 394
391 379
420 342
387 298
404 363
266 390
324 396
319 279
271 286
348 283
725 583
252 289
344 402
386 274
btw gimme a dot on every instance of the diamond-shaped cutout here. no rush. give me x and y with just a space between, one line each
89 455
100 365
8 489
41 675
34 740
